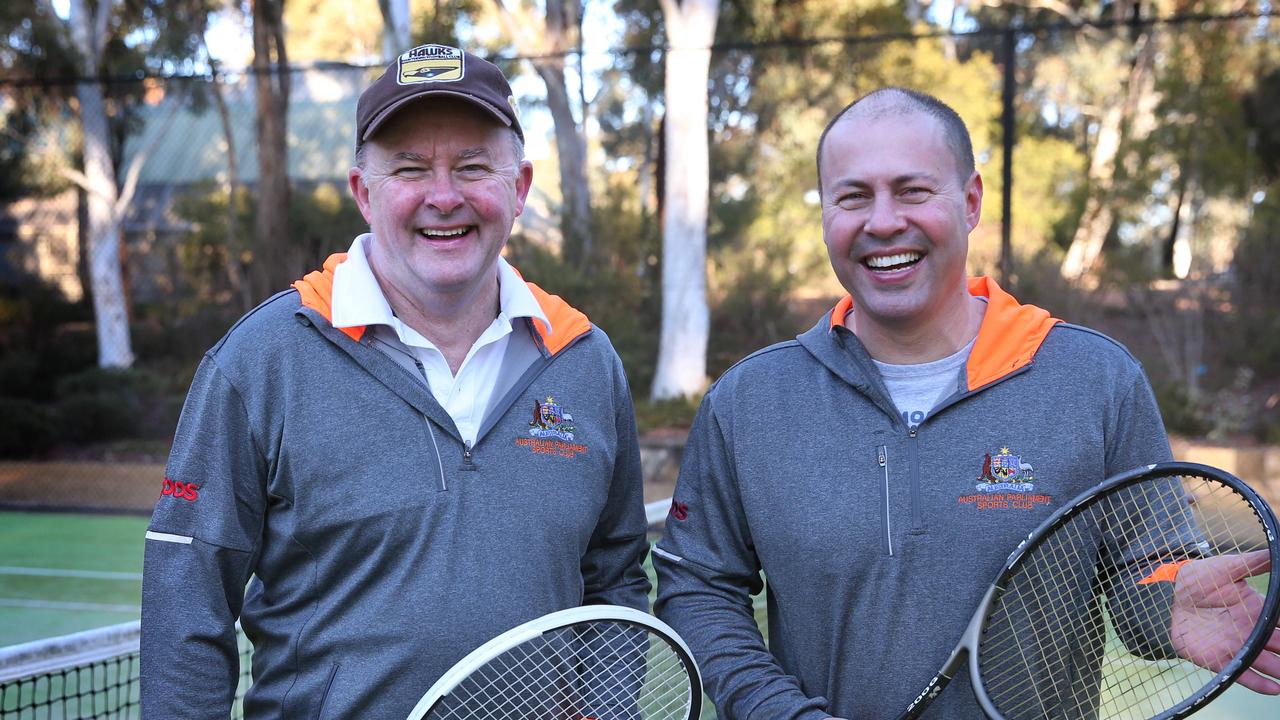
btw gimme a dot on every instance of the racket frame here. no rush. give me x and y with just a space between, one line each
477 658
967 648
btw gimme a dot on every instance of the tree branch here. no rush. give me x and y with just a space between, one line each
519 27
140 158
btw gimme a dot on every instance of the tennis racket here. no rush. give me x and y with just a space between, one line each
1097 612
596 662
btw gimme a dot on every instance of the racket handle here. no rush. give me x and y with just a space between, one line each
935 686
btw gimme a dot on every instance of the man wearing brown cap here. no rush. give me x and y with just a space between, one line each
407 453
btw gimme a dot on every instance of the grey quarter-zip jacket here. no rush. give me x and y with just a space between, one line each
878 539
377 548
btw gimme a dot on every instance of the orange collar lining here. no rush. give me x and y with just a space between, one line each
1009 338
316 291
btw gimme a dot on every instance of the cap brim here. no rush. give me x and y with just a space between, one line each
391 109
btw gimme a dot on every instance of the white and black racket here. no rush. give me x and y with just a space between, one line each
1144 597
596 662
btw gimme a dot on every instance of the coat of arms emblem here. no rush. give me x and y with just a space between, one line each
1006 472
550 420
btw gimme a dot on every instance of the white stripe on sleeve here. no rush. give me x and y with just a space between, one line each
166 537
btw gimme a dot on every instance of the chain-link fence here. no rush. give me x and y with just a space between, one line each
1140 141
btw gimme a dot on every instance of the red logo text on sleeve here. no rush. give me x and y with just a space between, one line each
184 491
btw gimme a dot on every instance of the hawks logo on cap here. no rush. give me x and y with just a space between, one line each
431 63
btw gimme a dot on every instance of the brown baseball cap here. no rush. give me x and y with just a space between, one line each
435 70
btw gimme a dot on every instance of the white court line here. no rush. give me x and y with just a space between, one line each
55 605
55 572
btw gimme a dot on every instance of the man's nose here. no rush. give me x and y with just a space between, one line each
442 193
886 217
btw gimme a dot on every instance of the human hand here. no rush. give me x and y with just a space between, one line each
1214 610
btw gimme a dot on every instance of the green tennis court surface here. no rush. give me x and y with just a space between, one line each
61 573
1237 703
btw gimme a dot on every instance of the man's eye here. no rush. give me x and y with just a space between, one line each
850 200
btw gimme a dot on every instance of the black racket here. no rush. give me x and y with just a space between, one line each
596 662
1144 597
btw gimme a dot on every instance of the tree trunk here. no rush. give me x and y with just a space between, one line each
233 239
396 36
106 274
682 344
556 32
571 149
276 264
1136 114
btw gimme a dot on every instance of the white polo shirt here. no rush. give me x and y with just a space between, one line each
358 300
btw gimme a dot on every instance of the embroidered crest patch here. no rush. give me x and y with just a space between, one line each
551 430
1006 482
550 420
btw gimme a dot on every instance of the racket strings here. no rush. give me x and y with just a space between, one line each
591 671
1014 642
1077 634
1081 624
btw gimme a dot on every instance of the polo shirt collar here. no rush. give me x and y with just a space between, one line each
358 299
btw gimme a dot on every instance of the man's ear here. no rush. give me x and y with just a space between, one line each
359 190
973 200
524 181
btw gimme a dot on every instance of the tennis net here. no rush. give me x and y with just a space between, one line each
91 675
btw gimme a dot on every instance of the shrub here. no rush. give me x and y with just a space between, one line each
26 428
100 405
1182 414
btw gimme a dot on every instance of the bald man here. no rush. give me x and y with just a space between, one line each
879 468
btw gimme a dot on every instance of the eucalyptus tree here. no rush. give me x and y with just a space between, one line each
101 40
548 34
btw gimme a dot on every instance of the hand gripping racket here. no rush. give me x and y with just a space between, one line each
596 662
1144 597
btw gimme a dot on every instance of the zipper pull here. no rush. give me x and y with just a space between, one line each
468 460
880 458
911 431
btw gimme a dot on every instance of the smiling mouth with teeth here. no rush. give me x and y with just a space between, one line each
445 234
885 263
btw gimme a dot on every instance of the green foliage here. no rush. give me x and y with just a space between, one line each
52 395
215 260
618 295
42 338
1223 415
29 165
104 404
324 219
28 428
1263 115
666 414
1048 195
750 307
317 30
1252 322
207 252
1183 414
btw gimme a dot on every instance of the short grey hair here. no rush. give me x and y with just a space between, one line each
887 100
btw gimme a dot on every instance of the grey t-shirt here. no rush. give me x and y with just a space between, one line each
916 389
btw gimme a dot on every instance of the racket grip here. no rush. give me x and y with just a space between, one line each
939 681
926 696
